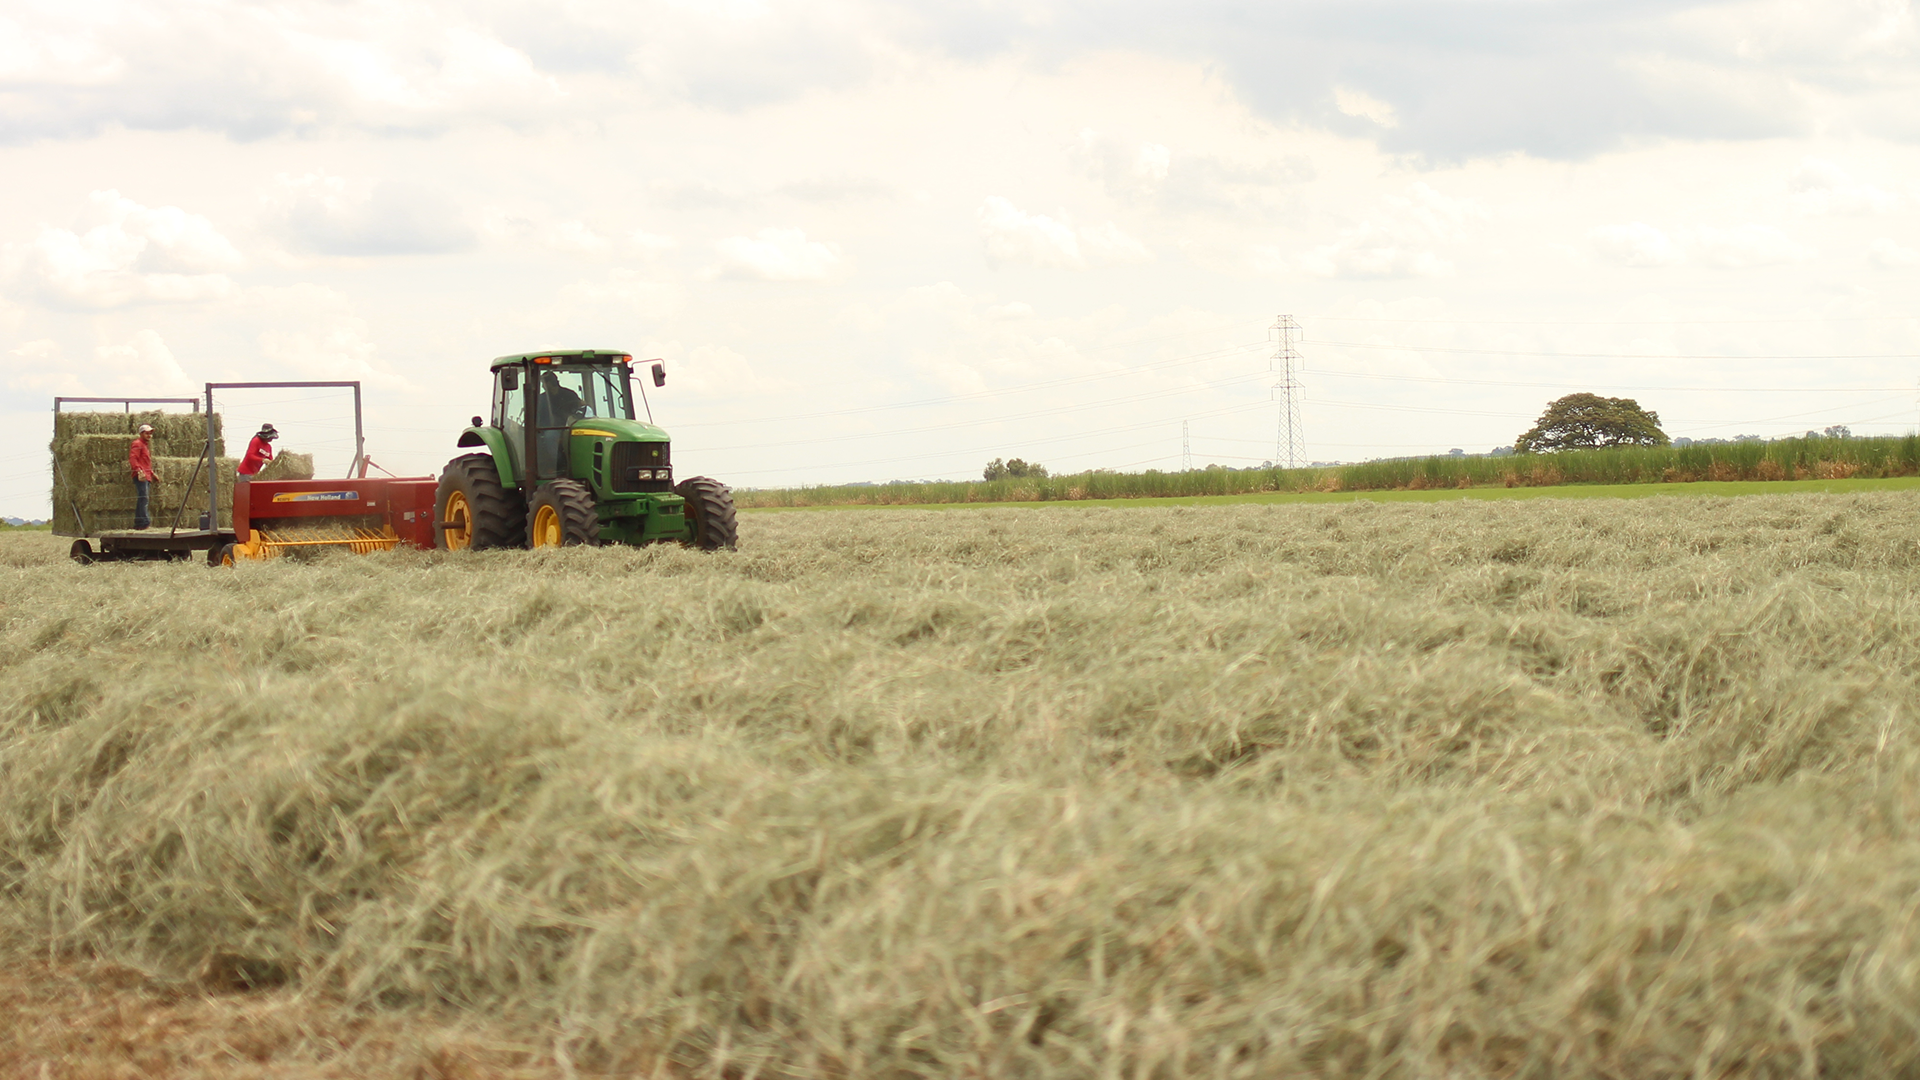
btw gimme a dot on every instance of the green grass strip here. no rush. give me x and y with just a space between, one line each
1713 488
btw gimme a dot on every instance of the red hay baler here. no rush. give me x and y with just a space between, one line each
361 514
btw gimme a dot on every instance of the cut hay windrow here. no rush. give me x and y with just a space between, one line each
1582 790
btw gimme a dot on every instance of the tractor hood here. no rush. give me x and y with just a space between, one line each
618 430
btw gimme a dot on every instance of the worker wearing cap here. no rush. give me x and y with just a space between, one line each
140 461
259 452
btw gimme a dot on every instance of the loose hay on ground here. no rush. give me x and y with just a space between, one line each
1541 789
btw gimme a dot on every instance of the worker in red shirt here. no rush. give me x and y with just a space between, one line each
140 461
259 452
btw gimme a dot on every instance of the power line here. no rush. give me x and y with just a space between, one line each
1615 356
1616 322
1021 388
1613 386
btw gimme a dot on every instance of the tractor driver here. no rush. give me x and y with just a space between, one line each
558 407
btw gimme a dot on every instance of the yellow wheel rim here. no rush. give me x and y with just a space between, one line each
546 527
459 522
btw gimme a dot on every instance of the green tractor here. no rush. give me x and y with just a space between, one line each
567 463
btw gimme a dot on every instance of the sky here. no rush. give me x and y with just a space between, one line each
878 241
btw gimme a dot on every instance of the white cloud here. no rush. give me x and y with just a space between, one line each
1737 248
144 360
1152 161
778 255
124 253
575 237
649 242
141 364
629 291
1014 237
1636 244
1400 240
1364 106
1891 255
1747 246
256 69
330 215
1821 187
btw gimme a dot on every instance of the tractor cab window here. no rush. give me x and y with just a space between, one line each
569 393
510 413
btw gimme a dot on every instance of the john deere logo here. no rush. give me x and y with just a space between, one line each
316 496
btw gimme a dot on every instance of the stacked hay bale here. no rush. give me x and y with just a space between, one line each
287 466
90 471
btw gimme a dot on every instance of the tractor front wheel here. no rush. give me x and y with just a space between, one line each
710 510
562 515
472 509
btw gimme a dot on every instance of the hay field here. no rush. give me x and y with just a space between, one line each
1501 789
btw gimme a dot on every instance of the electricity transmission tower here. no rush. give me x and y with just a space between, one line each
1290 442
1186 446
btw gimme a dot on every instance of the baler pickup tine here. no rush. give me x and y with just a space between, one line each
361 541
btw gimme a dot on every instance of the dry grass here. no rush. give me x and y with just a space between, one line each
1444 790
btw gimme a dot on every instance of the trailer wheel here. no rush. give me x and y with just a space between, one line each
710 506
220 556
81 552
563 515
472 509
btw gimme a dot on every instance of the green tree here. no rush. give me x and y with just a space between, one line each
1578 421
1015 469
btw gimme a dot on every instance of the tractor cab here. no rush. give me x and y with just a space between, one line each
572 464
541 401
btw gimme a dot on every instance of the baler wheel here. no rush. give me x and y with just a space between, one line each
220 556
472 509
710 506
563 515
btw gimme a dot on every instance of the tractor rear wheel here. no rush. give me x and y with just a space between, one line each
710 510
562 515
472 509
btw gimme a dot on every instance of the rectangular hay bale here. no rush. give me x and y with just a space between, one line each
182 434
93 450
66 425
105 497
287 466
107 436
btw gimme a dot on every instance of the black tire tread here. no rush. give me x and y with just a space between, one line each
710 505
579 521
499 515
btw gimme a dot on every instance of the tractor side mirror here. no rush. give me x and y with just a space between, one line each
510 379
476 421
659 373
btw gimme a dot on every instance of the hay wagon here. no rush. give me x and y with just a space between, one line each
281 511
